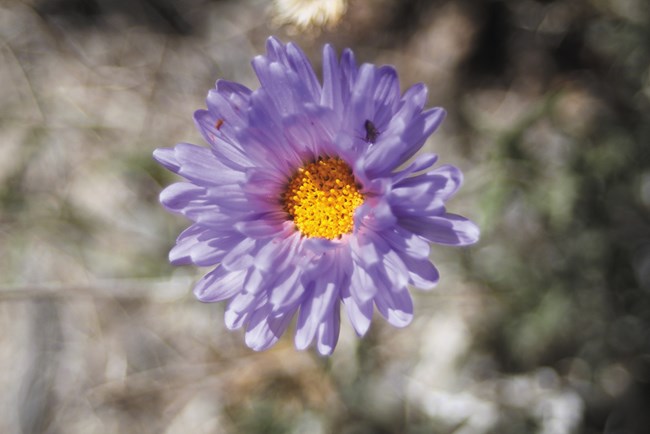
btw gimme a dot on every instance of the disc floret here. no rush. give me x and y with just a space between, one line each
321 198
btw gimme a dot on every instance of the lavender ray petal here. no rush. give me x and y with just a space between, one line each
219 284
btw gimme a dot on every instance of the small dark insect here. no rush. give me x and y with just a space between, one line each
218 124
371 131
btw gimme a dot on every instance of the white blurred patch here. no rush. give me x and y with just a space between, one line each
199 415
466 404
308 14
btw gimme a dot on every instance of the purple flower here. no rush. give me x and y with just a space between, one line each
300 202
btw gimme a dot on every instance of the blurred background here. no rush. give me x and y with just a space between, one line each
542 327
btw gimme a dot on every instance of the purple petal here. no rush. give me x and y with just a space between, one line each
286 87
332 87
314 129
403 241
181 253
349 72
312 311
361 105
226 150
246 302
198 164
413 101
178 196
321 245
422 273
448 229
279 253
265 139
275 50
264 329
241 256
383 264
442 183
420 129
241 307
210 250
364 250
219 284
278 83
303 68
205 254
383 156
256 281
228 103
263 176
167 157
287 291
362 287
421 162
386 95
262 228
328 332
235 320
237 93
359 313
414 253
377 215
396 305
391 272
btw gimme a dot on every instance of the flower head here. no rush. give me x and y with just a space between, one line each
306 14
308 196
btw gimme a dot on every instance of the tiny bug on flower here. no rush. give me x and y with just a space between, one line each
371 131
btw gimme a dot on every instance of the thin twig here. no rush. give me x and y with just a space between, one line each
155 290
32 92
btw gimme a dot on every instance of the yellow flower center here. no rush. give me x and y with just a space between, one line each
321 198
